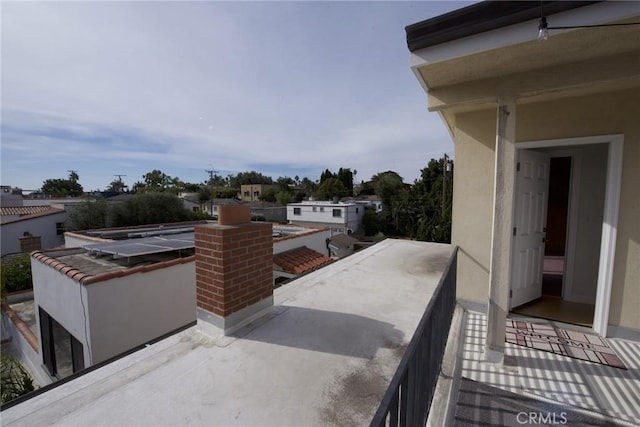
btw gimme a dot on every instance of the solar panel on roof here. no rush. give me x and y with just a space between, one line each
144 246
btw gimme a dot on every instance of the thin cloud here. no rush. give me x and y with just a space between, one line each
126 87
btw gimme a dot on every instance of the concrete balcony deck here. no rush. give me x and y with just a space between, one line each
324 356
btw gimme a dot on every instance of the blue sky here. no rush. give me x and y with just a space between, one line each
284 88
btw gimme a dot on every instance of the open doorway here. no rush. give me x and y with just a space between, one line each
567 277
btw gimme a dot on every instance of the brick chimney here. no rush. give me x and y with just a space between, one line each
234 271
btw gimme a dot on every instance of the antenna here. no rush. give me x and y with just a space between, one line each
119 176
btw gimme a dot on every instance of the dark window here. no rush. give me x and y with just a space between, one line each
59 228
337 213
296 211
62 353
357 210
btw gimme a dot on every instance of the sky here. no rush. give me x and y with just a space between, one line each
282 88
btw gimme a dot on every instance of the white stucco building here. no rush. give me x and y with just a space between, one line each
339 217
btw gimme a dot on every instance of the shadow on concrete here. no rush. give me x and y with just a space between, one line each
483 405
328 332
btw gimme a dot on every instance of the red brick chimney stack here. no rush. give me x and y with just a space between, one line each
234 270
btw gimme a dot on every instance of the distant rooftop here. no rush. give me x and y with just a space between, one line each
120 249
323 356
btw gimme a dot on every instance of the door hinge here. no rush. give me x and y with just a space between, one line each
514 231
518 167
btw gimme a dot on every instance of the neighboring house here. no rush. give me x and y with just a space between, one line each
212 206
342 245
91 306
252 192
339 217
31 228
547 148
369 201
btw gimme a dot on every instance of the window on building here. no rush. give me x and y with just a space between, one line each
256 193
321 209
59 228
297 211
337 213
315 208
357 210
247 193
62 353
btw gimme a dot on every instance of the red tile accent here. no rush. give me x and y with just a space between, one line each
87 279
300 260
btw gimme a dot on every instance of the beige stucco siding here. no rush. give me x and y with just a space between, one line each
473 201
602 114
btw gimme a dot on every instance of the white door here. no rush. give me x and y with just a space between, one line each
532 186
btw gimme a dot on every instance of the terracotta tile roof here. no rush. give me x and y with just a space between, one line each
87 279
23 210
300 260
25 217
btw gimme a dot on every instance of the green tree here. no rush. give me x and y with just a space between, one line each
156 180
16 274
434 195
15 379
150 208
388 185
116 185
371 223
88 215
69 187
268 196
330 188
253 177
283 198
346 177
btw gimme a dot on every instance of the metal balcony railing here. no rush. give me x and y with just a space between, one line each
408 399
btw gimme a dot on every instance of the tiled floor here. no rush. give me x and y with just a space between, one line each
612 392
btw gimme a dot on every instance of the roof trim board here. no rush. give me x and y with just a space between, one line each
479 18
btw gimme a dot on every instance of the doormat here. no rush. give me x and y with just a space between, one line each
574 344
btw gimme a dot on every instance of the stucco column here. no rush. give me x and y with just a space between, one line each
500 273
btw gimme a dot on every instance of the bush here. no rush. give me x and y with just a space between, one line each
16 274
16 381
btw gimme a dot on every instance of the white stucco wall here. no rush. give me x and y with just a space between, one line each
316 241
74 240
44 226
351 214
63 299
128 311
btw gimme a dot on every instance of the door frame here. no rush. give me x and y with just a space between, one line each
610 215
